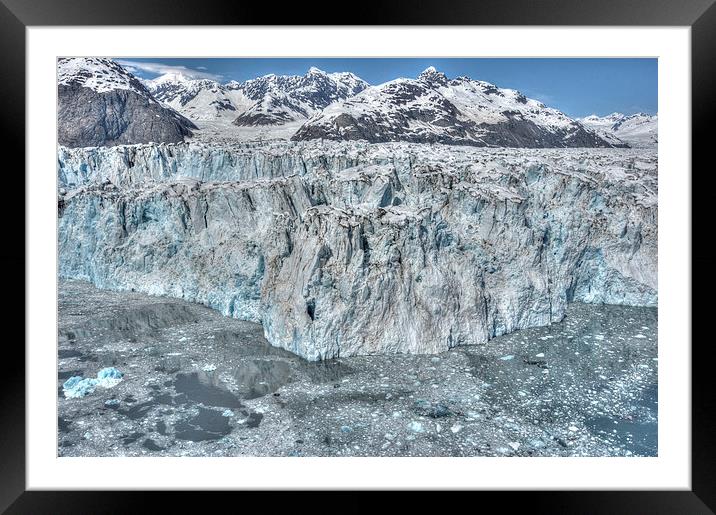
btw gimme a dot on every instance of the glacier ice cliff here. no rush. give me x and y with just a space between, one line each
347 248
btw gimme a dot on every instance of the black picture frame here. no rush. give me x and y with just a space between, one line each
699 15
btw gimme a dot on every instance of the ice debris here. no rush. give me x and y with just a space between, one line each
77 386
109 377
416 427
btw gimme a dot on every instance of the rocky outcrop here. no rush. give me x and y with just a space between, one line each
86 118
341 249
101 104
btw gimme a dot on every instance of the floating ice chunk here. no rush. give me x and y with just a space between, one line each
109 373
573 428
456 428
109 377
71 382
540 355
416 427
76 387
227 413
639 336
508 357
514 445
209 368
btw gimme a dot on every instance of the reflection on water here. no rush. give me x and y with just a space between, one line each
260 377
206 389
584 386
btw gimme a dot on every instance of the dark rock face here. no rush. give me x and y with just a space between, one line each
89 118
518 132
515 132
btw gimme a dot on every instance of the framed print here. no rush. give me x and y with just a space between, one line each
446 249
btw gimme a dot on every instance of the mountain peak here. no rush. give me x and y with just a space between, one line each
96 73
170 77
315 71
431 75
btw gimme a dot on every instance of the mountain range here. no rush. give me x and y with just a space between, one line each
637 130
103 104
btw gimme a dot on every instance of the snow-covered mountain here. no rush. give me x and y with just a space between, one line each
279 99
461 111
199 99
638 130
98 74
264 101
101 103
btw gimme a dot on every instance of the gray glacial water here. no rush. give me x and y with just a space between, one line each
197 383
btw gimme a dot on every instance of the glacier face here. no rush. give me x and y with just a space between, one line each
347 248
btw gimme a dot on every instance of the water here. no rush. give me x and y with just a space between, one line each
205 389
640 437
199 384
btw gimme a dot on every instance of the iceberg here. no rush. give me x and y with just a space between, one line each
77 386
109 377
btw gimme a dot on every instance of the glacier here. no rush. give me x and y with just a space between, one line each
349 248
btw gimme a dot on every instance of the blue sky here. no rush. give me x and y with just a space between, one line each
578 87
